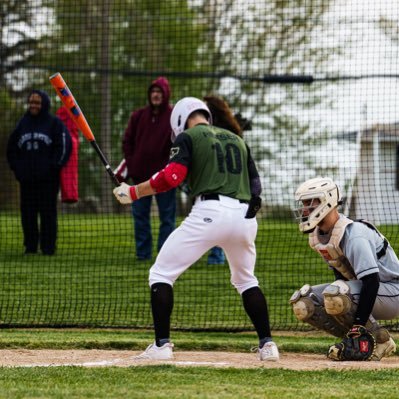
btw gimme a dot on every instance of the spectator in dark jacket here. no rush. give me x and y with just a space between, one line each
146 148
37 149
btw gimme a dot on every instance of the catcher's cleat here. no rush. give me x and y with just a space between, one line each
153 352
268 352
384 349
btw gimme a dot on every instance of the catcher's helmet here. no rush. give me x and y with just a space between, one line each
181 112
319 188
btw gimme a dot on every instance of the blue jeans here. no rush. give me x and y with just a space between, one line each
142 227
216 256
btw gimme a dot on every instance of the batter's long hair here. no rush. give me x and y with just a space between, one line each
222 115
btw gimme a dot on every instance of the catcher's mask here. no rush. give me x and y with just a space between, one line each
314 199
182 111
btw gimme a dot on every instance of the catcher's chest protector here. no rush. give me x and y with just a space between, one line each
331 252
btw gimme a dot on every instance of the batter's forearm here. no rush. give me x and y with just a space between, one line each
166 179
141 190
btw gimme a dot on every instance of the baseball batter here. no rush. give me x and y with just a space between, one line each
366 269
225 184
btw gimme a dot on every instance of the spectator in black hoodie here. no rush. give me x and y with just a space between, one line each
37 149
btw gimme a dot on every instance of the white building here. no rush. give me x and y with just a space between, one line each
375 194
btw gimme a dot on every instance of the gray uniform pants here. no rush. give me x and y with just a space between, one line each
386 306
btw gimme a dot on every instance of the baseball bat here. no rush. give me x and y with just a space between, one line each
77 116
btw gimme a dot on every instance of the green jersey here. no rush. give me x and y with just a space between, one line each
217 161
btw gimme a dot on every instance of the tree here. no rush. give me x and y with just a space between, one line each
8 112
247 40
19 39
20 33
109 52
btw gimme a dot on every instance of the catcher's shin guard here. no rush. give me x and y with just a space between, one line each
307 308
339 304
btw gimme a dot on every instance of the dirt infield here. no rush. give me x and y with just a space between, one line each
106 358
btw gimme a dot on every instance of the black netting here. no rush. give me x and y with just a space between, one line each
316 82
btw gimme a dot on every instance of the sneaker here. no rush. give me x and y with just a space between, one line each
153 352
384 349
269 352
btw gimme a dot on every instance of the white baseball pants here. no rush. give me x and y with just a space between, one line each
211 222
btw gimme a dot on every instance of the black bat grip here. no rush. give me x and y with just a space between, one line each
105 163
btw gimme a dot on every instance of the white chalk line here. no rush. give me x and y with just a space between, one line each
201 363
102 363
84 364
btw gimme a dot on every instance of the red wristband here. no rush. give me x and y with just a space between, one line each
134 193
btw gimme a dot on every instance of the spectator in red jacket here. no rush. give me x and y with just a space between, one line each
69 173
146 147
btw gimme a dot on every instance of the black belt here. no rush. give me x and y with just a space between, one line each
215 197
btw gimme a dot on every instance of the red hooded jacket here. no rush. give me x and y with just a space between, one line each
147 139
69 173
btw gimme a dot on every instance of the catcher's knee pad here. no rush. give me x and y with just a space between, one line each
302 305
339 303
307 308
337 298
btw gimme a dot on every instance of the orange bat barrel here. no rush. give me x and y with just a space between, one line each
71 104
77 116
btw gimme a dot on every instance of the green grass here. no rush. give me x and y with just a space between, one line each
139 339
168 381
99 284
94 279
125 339
174 382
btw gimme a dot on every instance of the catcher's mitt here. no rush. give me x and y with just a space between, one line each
359 344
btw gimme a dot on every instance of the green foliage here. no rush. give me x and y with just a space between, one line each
19 39
117 47
109 52
8 113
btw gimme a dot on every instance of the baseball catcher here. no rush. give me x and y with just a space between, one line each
366 270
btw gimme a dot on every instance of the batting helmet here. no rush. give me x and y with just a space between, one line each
182 111
319 188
